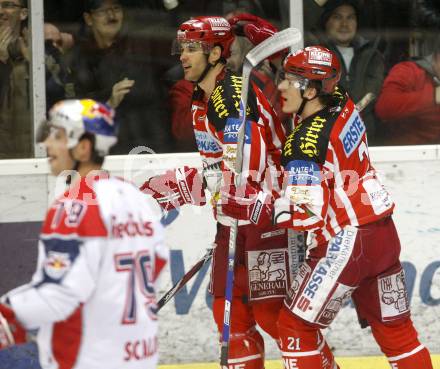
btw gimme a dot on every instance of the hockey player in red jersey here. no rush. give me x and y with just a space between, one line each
334 194
92 297
204 45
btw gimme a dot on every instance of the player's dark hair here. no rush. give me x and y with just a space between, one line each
324 99
327 100
95 157
93 4
317 85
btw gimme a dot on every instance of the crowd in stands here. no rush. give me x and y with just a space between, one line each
15 127
362 63
117 52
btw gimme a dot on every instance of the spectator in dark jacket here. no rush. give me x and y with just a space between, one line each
409 103
15 101
111 67
15 117
59 84
362 64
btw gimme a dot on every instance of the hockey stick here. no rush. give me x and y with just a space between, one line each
289 37
185 279
365 101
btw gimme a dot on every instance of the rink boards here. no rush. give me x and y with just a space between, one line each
187 331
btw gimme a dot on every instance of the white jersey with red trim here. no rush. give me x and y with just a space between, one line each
92 296
331 182
216 123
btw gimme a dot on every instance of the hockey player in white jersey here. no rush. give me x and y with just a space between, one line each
92 297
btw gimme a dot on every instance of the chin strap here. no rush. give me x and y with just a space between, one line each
301 107
304 102
75 167
204 73
206 70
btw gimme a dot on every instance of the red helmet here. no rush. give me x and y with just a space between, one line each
315 63
207 31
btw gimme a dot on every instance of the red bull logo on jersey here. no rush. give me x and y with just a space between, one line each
352 134
57 264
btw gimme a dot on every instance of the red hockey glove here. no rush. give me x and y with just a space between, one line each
247 203
256 29
11 331
176 187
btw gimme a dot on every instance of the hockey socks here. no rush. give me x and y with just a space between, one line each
302 345
246 350
399 342
246 345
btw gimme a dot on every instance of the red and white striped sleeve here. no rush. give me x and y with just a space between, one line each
272 136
